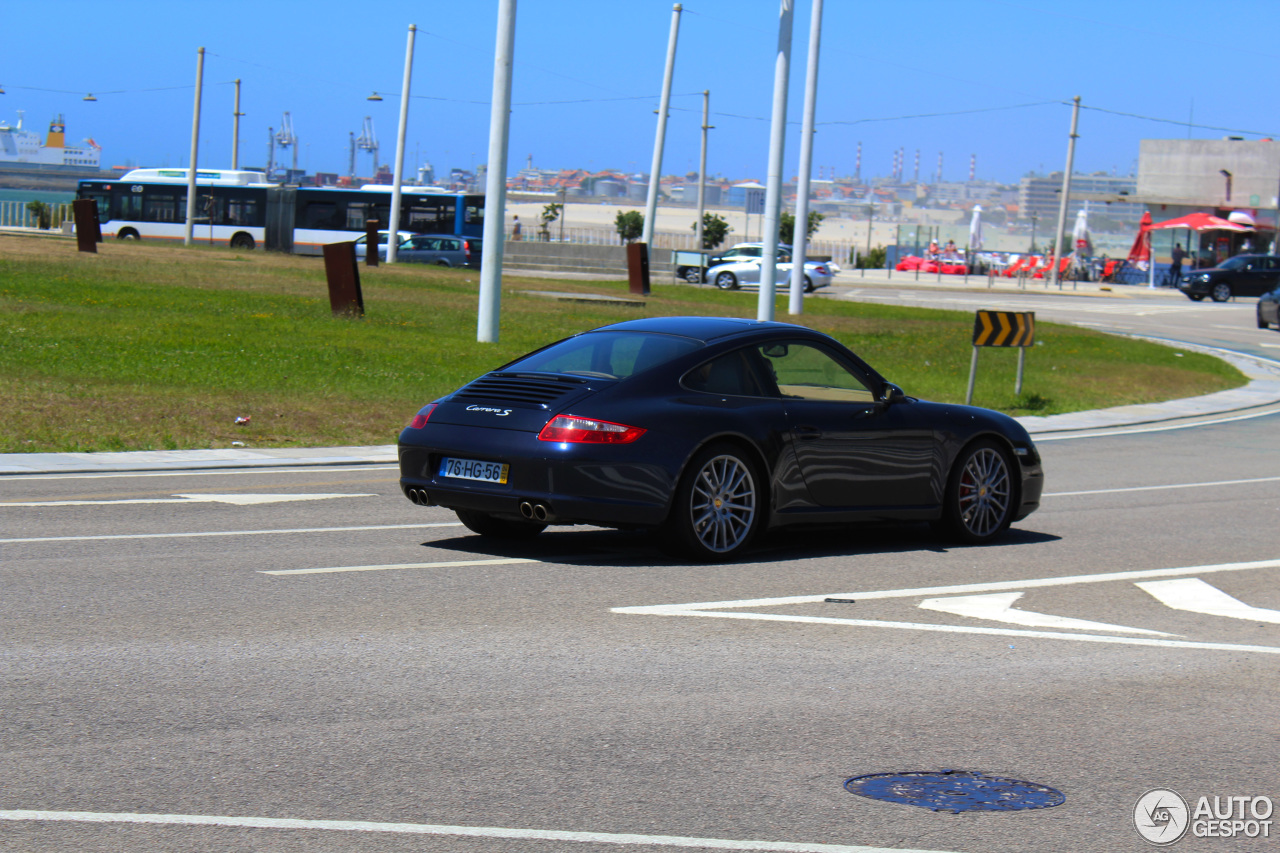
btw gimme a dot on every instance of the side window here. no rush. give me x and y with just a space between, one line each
807 372
730 375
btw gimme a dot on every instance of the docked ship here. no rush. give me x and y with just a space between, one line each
22 148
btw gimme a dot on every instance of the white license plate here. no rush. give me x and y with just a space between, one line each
473 469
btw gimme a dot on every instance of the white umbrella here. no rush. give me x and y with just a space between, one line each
975 229
1080 234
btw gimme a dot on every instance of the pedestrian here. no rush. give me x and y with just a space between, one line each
515 228
1175 271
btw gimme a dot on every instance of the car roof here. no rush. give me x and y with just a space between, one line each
704 329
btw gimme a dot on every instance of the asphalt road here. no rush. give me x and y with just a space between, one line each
305 645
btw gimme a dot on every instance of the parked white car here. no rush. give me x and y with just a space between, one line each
734 274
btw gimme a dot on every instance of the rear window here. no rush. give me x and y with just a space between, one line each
614 355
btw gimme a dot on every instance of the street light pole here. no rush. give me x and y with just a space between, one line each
702 169
188 236
655 173
800 249
393 227
773 190
235 130
1066 194
495 198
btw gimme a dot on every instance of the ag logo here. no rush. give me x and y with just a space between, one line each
1161 816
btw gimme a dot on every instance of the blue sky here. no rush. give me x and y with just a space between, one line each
588 74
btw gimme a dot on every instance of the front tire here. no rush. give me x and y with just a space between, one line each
980 496
718 505
241 240
726 281
1195 297
127 234
498 528
1221 292
1262 324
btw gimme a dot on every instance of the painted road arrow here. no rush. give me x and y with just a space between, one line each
1195 596
238 500
998 607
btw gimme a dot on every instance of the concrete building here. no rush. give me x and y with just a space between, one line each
1039 196
1180 176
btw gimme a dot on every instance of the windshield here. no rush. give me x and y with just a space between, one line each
613 355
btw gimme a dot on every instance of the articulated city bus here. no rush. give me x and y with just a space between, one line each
242 210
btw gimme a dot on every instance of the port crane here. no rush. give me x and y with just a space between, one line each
367 141
286 138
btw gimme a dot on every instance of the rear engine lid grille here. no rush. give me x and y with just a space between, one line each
522 388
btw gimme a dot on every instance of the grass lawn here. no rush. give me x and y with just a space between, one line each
145 347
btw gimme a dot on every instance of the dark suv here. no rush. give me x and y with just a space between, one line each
1243 275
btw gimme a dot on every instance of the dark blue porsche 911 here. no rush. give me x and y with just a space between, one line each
708 430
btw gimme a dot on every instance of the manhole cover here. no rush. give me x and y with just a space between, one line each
955 791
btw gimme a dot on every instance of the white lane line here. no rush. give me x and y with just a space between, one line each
998 607
395 566
1195 596
230 472
197 534
1159 488
444 829
243 499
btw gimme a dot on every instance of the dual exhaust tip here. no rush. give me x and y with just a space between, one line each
536 512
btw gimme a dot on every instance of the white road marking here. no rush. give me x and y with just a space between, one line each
219 472
998 607
230 533
394 566
237 499
1196 596
444 829
717 609
1159 488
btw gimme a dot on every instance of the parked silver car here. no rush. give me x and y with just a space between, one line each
733 275
443 250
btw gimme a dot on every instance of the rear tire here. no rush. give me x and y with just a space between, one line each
498 528
1262 324
127 234
242 240
808 285
693 275
718 505
981 492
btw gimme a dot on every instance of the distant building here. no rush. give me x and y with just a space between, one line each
1040 196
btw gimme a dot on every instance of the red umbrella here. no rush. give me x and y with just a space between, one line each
1141 251
1200 222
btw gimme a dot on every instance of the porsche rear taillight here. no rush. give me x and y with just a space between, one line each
420 419
571 429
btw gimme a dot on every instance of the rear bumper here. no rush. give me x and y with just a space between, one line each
578 484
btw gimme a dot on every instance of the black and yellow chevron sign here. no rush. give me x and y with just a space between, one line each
1004 329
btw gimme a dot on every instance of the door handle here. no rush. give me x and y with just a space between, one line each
807 433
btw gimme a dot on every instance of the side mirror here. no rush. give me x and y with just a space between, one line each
893 394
